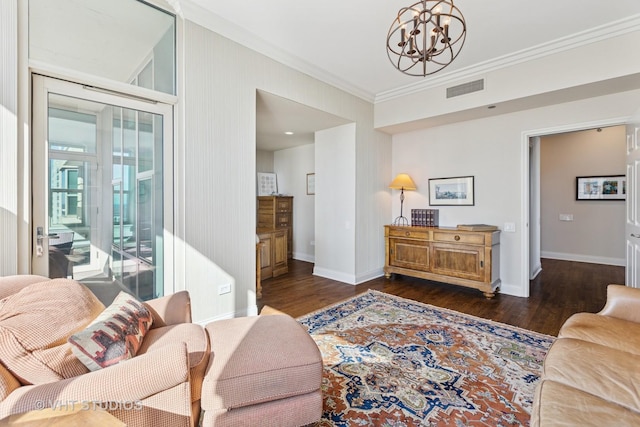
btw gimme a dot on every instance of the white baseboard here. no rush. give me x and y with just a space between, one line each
339 276
513 290
304 257
252 311
334 275
583 258
374 274
535 271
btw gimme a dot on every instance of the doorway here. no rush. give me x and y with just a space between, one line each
101 193
286 145
560 226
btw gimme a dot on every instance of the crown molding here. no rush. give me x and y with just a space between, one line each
225 28
593 35
201 16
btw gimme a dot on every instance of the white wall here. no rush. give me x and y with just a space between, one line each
596 233
495 150
373 201
292 166
221 79
336 203
264 162
9 163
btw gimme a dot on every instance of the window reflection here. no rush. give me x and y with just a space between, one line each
138 239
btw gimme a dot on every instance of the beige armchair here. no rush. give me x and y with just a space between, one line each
273 365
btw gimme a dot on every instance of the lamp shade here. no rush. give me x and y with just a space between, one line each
402 182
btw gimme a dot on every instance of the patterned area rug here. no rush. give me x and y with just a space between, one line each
393 362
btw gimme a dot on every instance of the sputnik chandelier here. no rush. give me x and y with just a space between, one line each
426 37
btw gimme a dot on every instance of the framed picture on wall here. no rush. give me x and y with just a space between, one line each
601 187
457 191
267 184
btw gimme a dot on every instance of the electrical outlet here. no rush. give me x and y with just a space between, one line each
509 227
224 289
566 217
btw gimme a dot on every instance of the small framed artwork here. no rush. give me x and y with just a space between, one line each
311 183
456 191
267 184
603 187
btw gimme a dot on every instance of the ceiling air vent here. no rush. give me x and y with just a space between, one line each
465 88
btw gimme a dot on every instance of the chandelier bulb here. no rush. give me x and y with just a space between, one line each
403 38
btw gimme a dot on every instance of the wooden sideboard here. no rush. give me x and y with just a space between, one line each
276 212
449 255
273 252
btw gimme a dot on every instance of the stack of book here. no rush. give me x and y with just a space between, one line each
425 217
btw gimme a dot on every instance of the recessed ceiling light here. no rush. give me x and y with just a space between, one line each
288 133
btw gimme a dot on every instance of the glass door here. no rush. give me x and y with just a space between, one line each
101 199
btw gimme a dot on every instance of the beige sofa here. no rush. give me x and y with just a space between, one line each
591 375
263 370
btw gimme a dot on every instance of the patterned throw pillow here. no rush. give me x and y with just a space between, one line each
114 336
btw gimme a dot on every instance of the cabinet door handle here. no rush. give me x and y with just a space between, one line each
407 233
635 235
456 238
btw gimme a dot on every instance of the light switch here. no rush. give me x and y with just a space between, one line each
566 217
510 227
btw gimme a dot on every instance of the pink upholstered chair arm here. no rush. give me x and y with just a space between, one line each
10 285
171 309
125 383
622 303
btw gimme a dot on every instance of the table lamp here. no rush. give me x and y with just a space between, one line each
402 182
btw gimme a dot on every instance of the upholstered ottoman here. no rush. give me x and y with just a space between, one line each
263 371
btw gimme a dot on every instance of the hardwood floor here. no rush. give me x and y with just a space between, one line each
560 290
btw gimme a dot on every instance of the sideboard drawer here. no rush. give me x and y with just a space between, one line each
410 233
469 238
283 219
283 204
